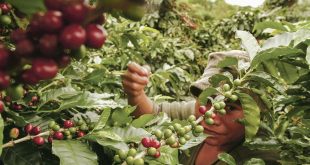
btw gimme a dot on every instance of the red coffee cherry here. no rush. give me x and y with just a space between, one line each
51 21
35 26
1 106
48 44
38 140
24 48
75 13
17 107
202 109
80 134
28 128
73 36
157 155
155 143
44 68
4 80
68 124
29 77
54 4
96 36
64 61
58 135
5 7
34 99
50 139
18 35
36 130
146 142
4 57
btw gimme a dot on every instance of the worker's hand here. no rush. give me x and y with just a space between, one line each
135 79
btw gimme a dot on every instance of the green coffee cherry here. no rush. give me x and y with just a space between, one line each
209 121
167 133
208 114
217 106
67 132
187 128
181 131
72 130
80 122
193 123
191 118
69 137
171 127
151 151
177 126
198 129
117 159
158 134
132 152
228 94
222 104
5 20
138 161
226 87
84 127
56 127
51 124
237 82
171 140
234 98
187 137
130 160
222 111
122 154
182 140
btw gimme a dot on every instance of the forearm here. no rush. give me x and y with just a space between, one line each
143 103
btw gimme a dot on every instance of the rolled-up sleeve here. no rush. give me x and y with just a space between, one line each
176 110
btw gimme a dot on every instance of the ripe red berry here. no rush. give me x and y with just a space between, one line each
35 28
1 106
51 21
50 139
5 7
38 140
36 130
28 128
68 124
7 99
154 143
146 142
157 155
58 135
48 44
53 4
73 36
29 77
96 36
4 57
4 80
34 98
80 134
24 48
44 68
202 109
17 107
18 35
75 13
64 61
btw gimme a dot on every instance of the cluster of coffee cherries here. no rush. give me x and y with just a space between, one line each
128 157
5 19
49 42
219 106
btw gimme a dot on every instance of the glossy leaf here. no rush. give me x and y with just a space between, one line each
308 56
142 120
254 161
28 7
225 157
203 97
168 155
103 119
261 26
194 141
249 42
265 78
279 40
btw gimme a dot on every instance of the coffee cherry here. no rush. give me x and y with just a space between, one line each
84 127
67 132
24 48
64 61
132 152
28 128
4 57
217 106
122 154
5 20
187 137
130 160
146 141
1 106
75 13
80 122
228 94
44 68
34 99
80 134
182 140
117 159
234 98
191 118
187 128
68 124
222 104
51 21
58 135
198 129
209 114
73 36
72 130
171 140
5 7
48 44
157 154
50 139
167 133
14 133
237 82
56 127
151 151
177 126
226 87
29 78
16 92
138 161
171 127
36 130
222 111
54 4
18 35
17 107
158 134
202 109
96 36
38 140
35 28
79 53
4 80
154 143
181 131
175 145
209 121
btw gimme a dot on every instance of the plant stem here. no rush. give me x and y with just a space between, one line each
26 138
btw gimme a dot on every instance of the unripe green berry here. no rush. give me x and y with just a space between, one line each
138 161
69 137
228 94
237 82
167 133
151 151
80 122
208 114
117 159
67 132
171 127
84 127
209 121
72 130
226 87
193 123
187 137
171 140
222 104
217 106
132 152
177 126
195 133
181 131
122 154
187 128
182 140
199 129
51 124
234 98
130 160
56 127
222 111
158 134
191 118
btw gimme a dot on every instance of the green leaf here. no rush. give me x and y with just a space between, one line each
255 161
122 116
103 119
28 7
261 26
225 157
1 133
265 78
301 36
274 53
217 78
227 61
73 152
130 134
56 94
142 120
308 56
203 97
194 141
168 155
112 144
251 115
107 134
279 40
248 42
